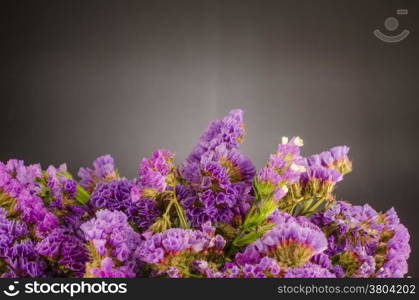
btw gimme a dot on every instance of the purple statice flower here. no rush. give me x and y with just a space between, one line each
36 196
25 175
352 225
70 188
228 131
224 192
20 196
173 272
340 159
392 255
322 174
308 270
103 171
15 176
113 195
266 267
395 268
111 243
116 195
109 269
217 177
156 182
322 260
54 183
59 185
238 167
18 257
335 158
22 175
65 252
59 193
154 172
324 170
291 242
207 269
319 180
283 169
365 243
352 238
216 199
178 248
23 261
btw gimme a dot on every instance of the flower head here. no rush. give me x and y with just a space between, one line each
283 169
19 189
178 248
111 238
309 270
65 251
116 195
335 158
229 131
292 242
363 242
59 193
218 178
154 171
103 171
18 257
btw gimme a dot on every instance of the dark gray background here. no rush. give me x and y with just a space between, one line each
83 78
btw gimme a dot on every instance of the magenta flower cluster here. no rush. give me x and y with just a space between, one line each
213 215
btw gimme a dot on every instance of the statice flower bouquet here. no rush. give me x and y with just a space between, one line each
213 215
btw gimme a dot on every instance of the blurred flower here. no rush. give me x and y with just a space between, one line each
308 270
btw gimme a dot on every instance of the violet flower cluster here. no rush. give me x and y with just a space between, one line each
174 251
37 207
217 177
212 215
364 243
112 243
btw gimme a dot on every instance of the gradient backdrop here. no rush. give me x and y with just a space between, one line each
83 78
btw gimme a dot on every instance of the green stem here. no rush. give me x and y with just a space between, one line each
181 216
293 208
167 212
315 206
179 211
305 207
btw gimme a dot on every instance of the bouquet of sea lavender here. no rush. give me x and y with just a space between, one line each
213 215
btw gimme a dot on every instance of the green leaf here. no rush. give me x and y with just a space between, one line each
257 192
247 239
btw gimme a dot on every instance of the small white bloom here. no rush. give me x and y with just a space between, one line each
298 141
285 189
284 140
297 168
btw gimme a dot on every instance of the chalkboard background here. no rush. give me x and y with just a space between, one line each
83 78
